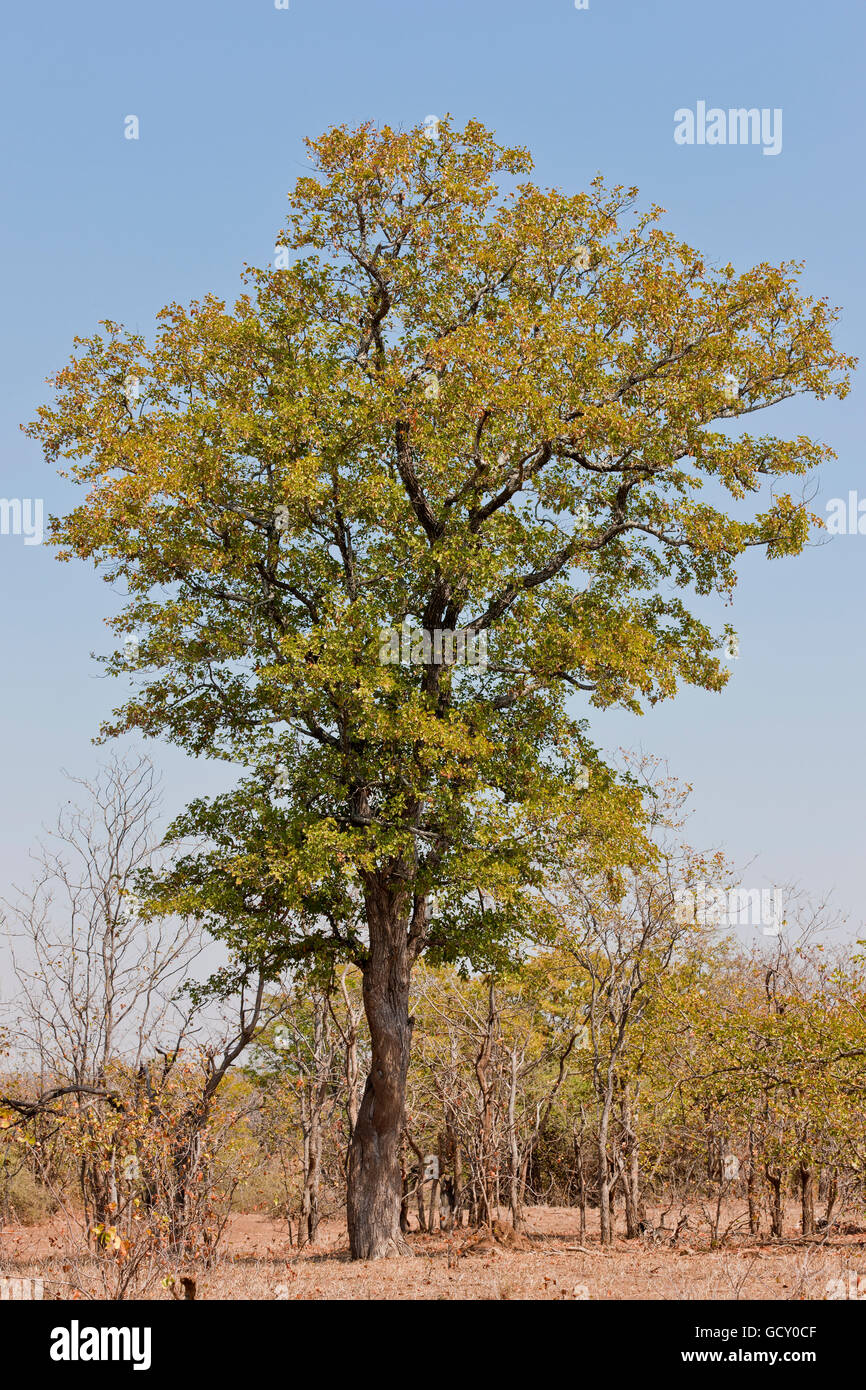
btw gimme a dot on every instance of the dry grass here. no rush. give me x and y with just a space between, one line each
257 1262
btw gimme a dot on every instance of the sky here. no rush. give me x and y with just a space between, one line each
101 226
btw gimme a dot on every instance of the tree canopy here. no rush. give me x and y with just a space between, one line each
469 404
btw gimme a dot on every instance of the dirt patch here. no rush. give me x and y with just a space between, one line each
548 1260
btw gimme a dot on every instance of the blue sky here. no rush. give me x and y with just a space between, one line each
98 226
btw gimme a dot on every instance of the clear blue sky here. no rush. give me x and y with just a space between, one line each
98 226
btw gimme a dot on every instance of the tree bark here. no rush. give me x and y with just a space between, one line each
309 1222
754 1196
775 1179
606 1188
581 1176
405 1189
513 1146
459 1194
483 1073
449 1162
630 1167
807 1199
350 1039
375 1185
435 1212
604 1205
832 1195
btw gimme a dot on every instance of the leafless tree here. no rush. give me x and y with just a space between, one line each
97 979
94 977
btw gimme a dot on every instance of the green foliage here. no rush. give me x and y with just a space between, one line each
467 403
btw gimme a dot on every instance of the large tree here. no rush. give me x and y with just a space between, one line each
465 403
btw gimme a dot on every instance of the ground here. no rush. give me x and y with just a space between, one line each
258 1262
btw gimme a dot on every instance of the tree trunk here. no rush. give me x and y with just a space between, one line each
374 1185
630 1168
754 1195
405 1189
309 1222
581 1182
486 1086
418 1172
448 1161
807 1200
434 1212
514 1187
350 1059
459 1194
607 1219
604 1193
775 1180
832 1194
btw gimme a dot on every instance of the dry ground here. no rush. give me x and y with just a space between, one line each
258 1262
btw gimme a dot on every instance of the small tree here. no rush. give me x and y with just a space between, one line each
300 1057
95 981
624 932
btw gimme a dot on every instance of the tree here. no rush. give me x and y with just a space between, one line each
625 938
300 1054
94 979
770 1061
96 982
465 417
